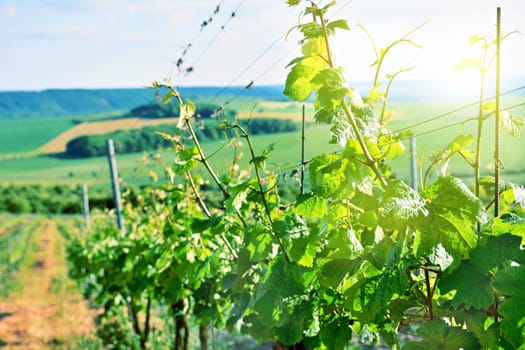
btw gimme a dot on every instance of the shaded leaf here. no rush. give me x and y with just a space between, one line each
438 335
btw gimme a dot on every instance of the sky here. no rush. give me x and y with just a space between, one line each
130 43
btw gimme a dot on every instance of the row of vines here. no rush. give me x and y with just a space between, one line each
357 256
15 245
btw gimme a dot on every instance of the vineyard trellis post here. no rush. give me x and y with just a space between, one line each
115 185
85 206
303 139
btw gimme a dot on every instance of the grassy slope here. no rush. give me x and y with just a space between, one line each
287 150
50 135
24 135
58 144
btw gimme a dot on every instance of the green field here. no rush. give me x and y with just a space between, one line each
27 135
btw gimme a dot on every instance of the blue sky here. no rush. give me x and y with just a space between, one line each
130 43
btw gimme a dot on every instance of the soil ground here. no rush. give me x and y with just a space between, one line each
48 312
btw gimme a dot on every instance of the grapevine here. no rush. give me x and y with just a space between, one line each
358 255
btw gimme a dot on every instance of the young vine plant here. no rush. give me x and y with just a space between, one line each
360 255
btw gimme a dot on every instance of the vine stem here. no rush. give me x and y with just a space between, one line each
497 159
429 294
204 208
261 189
350 116
203 159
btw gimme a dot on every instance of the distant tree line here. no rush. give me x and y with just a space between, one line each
57 199
157 109
147 139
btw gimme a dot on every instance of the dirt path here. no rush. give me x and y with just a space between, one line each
48 312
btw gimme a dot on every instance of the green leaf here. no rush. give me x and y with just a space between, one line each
515 194
492 254
271 296
469 62
440 257
291 333
453 211
337 334
298 85
509 223
167 97
258 242
475 321
340 23
400 206
462 280
311 30
513 323
327 174
376 294
495 252
512 124
474 39
341 131
343 243
393 146
311 206
187 110
293 2
510 282
438 335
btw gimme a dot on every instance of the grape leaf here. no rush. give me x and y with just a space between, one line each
340 23
187 110
327 174
337 334
271 292
298 85
440 257
400 206
311 30
462 280
492 253
512 124
453 210
509 223
510 282
495 252
311 206
341 131
438 335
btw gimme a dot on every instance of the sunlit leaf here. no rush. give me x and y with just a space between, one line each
511 124
469 63
453 211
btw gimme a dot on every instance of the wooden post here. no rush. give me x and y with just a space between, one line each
303 139
497 160
115 184
85 206
413 163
